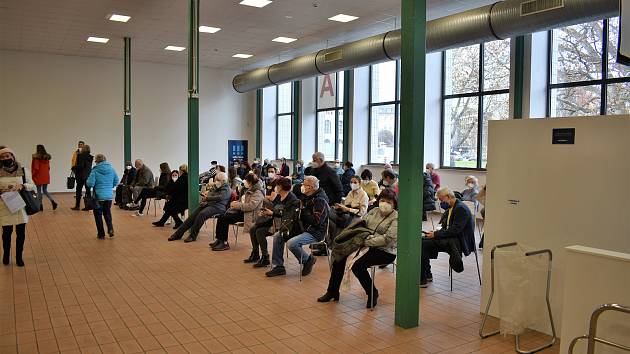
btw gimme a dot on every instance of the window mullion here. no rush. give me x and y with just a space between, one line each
604 86
480 105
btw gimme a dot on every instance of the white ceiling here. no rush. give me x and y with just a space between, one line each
62 26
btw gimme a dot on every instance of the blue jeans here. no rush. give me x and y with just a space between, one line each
43 189
296 243
103 210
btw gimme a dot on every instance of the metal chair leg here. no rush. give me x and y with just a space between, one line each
477 261
373 271
450 275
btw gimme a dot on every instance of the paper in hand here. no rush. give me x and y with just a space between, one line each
13 201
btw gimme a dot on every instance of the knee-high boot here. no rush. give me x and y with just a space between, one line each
6 248
19 248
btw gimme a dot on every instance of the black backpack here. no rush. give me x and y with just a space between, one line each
290 223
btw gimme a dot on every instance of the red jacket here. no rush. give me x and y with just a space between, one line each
40 169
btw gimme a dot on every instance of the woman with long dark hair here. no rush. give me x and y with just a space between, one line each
40 168
81 172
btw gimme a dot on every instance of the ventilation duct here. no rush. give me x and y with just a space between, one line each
501 20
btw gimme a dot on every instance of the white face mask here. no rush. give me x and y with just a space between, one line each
271 174
365 181
354 186
385 207
336 165
470 185
315 164
175 179
385 182
303 190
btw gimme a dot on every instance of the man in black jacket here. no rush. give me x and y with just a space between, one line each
457 236
314 221
328 179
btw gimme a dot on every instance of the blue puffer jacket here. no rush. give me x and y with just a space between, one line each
103 179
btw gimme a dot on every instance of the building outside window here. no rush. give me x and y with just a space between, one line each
476 82
284 120
330 115
584 78
384 112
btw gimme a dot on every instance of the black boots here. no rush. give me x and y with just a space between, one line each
263 262
190 238
371 301
328 296
77 204
54 204
253 258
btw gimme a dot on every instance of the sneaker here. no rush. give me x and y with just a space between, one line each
263 262
424 283
137 213
308 266
168 222
276 271
222 246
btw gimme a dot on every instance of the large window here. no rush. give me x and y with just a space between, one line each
476 82
330 115
584 78
384 112
284 120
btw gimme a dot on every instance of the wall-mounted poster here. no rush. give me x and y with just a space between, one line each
237 151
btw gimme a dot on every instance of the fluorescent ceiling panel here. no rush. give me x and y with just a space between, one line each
208 29
98 39
174 48
343 18
119 18
284 39
243 56
255 3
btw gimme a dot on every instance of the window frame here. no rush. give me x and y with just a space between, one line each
396 104
603 83
481 93
292 120
338 107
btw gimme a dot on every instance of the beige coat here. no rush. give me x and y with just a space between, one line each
6 217
250 204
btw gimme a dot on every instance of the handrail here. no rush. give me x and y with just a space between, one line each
592 331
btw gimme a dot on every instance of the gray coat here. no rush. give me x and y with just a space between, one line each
250 204
144 177
218 199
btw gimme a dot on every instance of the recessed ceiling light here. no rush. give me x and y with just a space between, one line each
284 39
119 18
244 56
255 3
208 29
175 48
98 39
343 18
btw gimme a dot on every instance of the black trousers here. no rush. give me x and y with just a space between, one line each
430 249
79 190
224 221
103 210
374 256
145 194
20 231
258 235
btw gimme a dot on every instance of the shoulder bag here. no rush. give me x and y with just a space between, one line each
30 198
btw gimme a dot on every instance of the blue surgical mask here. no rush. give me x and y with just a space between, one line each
444 205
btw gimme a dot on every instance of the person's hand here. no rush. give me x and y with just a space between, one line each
429 234
19 187
337 206
267 212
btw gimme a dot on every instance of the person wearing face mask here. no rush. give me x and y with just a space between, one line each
244 210
328 179
472 189
13 178
348 173
123 189
284 168
354 206
261 230
456 236
378 234
213 203
176 198
337 167
270 183
298 172
369 186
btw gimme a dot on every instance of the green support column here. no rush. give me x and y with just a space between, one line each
193 107
259 100
519 68
348 79
127 101
413 56
297 120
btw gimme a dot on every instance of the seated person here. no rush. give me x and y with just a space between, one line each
383 220
346 176
123 190
157 191
388 182
298 172
455 237
259 232
144 179
213 203
369 186
270 183
245 210
205 177
428 196
176 197
354 206
284 168
314 220
472 189
435 178
234 180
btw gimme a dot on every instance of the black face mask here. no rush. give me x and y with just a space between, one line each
445 205
7 163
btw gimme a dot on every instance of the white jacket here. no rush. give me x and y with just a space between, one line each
6 217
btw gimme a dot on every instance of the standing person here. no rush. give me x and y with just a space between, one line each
435 178
13 178
177 198
298 172
328 179
264 168
348 173
337 167
40 168
81 172
284 168
75 153
103 179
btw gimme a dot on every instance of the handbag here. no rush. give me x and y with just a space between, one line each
33 204
90 201
70 181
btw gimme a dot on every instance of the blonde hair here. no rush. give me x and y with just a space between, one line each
445 192
100 158
473 179
184 168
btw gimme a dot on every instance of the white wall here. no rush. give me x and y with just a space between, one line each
57 100
562 191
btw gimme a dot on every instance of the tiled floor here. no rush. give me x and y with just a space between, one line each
139 293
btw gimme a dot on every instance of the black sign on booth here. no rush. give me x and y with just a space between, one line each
563 136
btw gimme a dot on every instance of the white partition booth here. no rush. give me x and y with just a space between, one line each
547 192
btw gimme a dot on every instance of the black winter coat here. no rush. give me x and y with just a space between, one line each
346 177
462 227
84 166
428 193
314 214
177 193
329 181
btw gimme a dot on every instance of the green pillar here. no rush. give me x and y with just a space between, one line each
193 107
127 101
297 119
348 79
519 68
259 100
413 56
